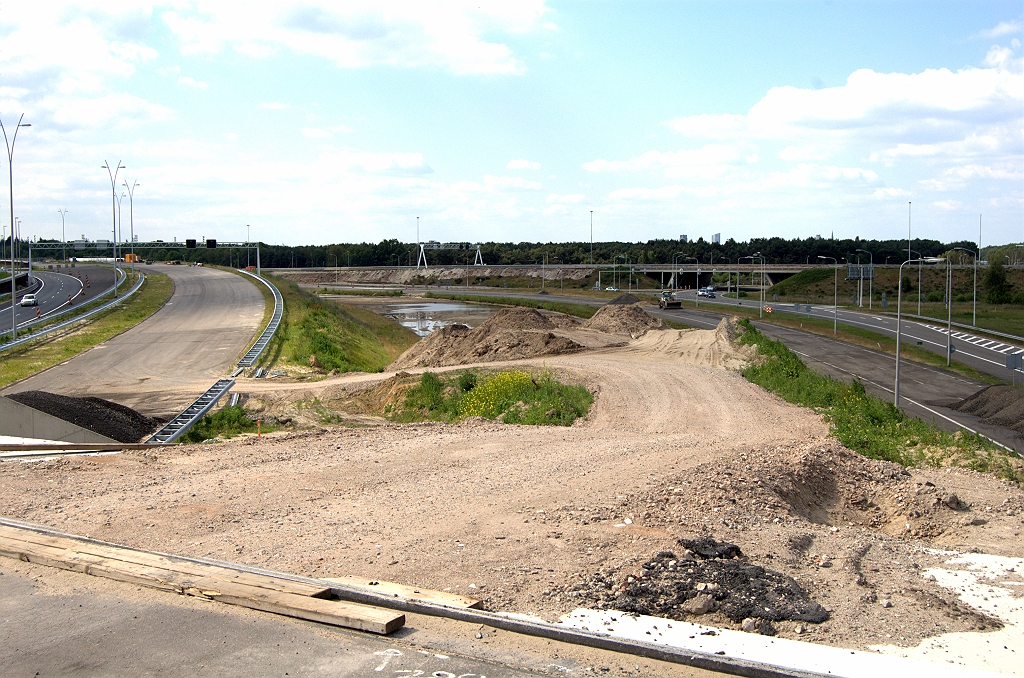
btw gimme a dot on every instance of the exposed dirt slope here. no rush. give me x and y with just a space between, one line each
510 334
712 348
617 318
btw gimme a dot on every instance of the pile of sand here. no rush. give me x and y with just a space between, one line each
510 334
618 318
999 405
712 348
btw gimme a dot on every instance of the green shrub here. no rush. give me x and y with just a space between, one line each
225 423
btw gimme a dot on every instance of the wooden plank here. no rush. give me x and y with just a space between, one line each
256 591
335 612
388 588
114 553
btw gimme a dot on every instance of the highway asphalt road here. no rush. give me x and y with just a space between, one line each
925 392
53 295
161 365
982 353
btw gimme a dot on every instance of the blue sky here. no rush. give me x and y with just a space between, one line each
328 122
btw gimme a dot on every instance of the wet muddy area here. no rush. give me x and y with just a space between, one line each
424 316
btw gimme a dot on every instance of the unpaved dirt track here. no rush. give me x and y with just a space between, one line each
159 366
524 517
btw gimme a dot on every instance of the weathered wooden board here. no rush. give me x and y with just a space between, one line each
167 573
388 588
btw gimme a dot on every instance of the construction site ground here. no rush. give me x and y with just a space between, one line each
536 520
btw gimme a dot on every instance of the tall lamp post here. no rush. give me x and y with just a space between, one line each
112 173
131 219
63 240
10 185
835 294
686 256
676 275
247 248
119 232
591 237
755 255
871 279
899 319
949 300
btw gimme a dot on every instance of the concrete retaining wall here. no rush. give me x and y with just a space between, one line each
23 421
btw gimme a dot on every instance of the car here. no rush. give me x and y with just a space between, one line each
611 289
702 292
28 300
710 294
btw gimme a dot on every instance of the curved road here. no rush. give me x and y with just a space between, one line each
53 294
161 365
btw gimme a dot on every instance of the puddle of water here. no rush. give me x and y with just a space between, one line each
424 317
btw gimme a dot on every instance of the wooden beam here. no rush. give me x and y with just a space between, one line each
266 592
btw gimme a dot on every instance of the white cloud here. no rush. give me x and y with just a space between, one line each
274 106
948 205
435 33
1001 29
572 198
315 133
191 82
522 165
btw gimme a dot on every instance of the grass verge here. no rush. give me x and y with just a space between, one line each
26 360
860 336
330 336
226 422
359 293
512 396
578 310
867 424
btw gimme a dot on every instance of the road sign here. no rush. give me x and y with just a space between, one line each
1015 362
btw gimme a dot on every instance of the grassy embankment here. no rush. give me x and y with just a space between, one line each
867 424
359 293
512 396
36 356
816 286
317 337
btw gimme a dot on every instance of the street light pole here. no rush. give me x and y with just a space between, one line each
10 185
871 279
112 173
835 295
63 240
131 219
591 237
119 232
899 322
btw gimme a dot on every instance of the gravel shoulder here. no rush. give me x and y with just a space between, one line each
534 519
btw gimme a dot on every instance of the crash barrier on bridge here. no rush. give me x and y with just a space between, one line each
178 426
253 354
78 318
28 324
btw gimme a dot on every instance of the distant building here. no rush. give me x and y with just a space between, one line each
682 238
716 239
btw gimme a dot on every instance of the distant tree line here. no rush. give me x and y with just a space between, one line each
395 253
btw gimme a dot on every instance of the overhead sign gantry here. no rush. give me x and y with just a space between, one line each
434 245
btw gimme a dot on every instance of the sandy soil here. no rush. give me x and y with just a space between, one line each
540 520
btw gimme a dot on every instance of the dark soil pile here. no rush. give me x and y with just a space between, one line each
616 318
998 405
114 421
707 575
625 300
510 334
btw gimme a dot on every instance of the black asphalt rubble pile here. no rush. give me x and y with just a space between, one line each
707 576
1001 405
114 421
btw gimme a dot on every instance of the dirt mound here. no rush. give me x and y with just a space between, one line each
624 300
706 576
118 422
999 405
510 334
628 319
713 348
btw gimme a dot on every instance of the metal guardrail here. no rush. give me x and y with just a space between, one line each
178 426
253 354
78 318
53 316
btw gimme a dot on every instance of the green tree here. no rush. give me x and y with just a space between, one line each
997 285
